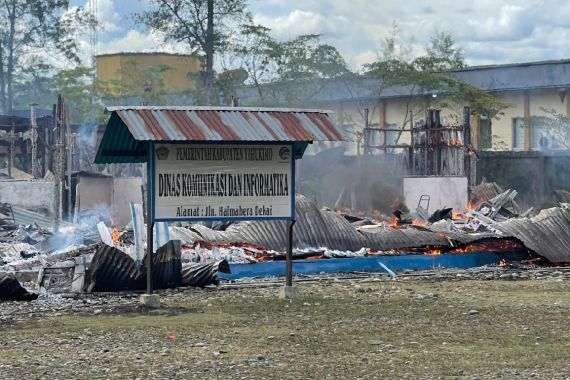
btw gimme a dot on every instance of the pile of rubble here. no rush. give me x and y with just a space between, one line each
495 224
73 260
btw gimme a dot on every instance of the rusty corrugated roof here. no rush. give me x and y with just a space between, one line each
227 124
129 128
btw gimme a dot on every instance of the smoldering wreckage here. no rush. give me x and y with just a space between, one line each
71 261
93 254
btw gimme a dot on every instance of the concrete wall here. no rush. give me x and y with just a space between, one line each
177 78
36 195
394 112
126 190
95 191
114 195
535 175
443 192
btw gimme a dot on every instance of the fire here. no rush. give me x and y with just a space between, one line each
419 223
456 215
116 235
393 222
433 252
470 206
503 263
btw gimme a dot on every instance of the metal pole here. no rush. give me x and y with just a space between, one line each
11 155
468 167
69 170
34 140
412 161
366 134
289 257
149 227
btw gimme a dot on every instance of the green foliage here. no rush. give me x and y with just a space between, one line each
443 54
29 26
186 21
286 72
256 52
305 58
430 74
228 81
203 25
482 103
80 92
42 86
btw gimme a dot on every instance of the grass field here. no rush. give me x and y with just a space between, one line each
339 330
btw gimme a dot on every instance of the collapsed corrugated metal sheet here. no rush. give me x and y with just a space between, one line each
547 234
485 191
447 229
194 274
185 235
167 266
314 228
12 290
386 238
113 270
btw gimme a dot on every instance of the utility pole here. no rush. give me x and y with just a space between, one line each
35 171
59 158
12 137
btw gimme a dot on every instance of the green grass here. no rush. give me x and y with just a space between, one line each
326 334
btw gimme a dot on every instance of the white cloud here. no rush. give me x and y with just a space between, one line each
489 31
109 18
135 41
303 22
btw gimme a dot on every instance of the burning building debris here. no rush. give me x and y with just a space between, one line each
197 253
101 248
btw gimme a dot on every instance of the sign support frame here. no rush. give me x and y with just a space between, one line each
149 218
151 204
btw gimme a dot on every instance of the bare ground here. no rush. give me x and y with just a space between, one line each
345 329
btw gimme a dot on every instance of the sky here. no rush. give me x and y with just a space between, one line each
488 31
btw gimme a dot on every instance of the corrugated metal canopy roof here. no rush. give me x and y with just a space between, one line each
130 128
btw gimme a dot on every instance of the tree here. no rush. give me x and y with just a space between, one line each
429 75
31 25
287 72
40 83
255 51
203 25
443 54
228 81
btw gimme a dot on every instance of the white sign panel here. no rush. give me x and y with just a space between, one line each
208 182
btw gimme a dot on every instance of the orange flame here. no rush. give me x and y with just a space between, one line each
116 235
470 206
393 222
419 223
456 215
433 252
503 263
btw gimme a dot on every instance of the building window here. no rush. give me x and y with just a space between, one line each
540 136
485 134
518 133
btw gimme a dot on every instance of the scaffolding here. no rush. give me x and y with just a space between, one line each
434 149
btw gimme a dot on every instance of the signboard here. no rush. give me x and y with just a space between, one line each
224 181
